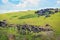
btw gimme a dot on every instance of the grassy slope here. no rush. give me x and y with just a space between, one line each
54 20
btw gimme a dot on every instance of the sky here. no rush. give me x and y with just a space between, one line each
19 5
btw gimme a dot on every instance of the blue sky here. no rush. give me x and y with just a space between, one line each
17 5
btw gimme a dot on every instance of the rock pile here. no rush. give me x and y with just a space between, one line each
47 12
33 28
26 27
3 23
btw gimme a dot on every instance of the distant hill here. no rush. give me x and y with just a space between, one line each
29 17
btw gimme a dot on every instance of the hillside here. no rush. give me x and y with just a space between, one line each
29 17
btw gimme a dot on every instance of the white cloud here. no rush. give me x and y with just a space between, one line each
27 3
21 6
58 2
33 2
5 1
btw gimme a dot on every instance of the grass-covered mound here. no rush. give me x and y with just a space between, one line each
29 17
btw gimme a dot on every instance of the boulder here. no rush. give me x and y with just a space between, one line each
3 23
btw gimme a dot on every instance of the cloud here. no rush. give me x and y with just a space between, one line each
58 2
23 5
33 2
5 1
26 3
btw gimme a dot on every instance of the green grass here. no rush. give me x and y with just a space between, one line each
29 17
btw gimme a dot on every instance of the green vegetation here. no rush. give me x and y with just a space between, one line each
28 17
